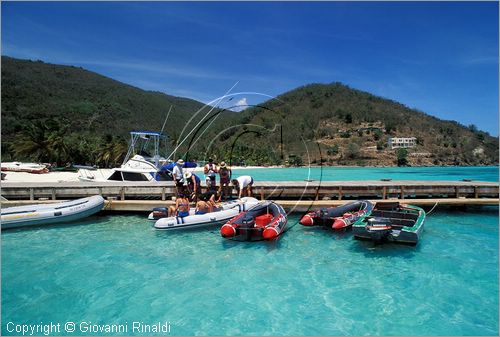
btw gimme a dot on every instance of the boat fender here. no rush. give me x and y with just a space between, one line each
307 220
270 233
339 223
228 230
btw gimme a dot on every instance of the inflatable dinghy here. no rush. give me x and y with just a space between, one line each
267 220
227 211
338 217
47 214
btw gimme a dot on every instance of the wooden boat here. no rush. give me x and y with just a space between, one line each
391 221
225 212
24 167
266 220
338 217
47 214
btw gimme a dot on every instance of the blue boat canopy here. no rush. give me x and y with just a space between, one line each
170 167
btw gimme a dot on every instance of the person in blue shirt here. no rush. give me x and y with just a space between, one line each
193 185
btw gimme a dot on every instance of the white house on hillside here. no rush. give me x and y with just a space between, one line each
395 143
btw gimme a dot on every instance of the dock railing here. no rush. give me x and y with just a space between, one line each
283 190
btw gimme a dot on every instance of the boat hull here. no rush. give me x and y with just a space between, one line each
48 214
395 223
24 167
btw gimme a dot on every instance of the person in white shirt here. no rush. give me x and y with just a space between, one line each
210 170
243 185
178 176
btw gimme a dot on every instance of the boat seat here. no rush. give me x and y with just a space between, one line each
402 222
392 214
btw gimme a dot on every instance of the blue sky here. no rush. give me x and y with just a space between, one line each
438 57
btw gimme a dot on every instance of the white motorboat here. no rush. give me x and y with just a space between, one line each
47 214
227 211
137 165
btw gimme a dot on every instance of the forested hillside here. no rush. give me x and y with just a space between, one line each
64 113
54 113
353 127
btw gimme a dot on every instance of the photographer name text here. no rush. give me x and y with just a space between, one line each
85 327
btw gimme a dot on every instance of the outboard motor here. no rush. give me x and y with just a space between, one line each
378 228
160 212
247 227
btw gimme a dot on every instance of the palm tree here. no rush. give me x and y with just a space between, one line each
120 149
58 148
33 144
111 151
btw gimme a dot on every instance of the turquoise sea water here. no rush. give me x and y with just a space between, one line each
115 269
486 173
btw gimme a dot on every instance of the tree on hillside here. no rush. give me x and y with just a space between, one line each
43 141
352 151
111 151
377 135
401 156
32 143
332 150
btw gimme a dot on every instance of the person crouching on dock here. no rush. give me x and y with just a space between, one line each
193 185
243 185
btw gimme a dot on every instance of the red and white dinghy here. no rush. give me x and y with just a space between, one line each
24 167
266 220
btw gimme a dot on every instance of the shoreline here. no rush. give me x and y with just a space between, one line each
65 176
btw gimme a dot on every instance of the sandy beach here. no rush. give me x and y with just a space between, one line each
56 177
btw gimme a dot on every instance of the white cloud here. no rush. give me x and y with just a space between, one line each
240 105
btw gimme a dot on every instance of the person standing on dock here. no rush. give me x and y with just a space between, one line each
210 170
178 176
243 185
225 179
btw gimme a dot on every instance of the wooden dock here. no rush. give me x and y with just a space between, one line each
143 196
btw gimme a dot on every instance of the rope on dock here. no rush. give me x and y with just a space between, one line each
432 208
107 205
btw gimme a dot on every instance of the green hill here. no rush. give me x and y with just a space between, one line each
343 126
48 101
64 113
